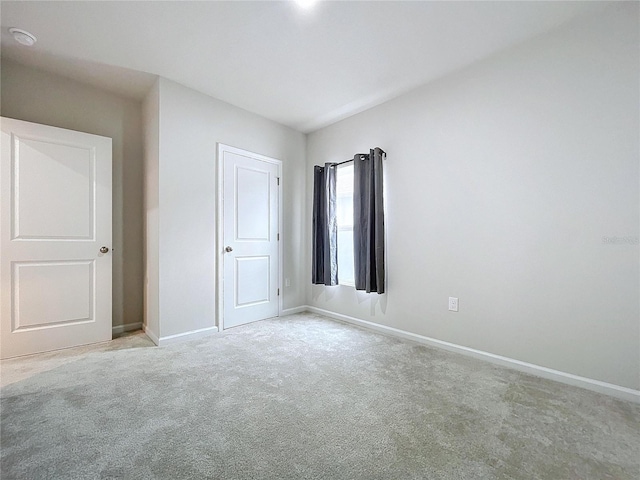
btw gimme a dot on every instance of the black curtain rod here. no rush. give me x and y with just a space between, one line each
360 155
351 159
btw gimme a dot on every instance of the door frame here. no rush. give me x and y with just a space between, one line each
219 294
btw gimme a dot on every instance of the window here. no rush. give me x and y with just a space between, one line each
344 207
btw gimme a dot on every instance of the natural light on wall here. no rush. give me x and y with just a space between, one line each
344 203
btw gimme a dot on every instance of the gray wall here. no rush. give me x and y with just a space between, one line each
41 97
190 126
502 181
151 129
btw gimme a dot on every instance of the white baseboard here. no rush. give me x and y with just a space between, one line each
150 334
180 337
610 389
293 311
127 327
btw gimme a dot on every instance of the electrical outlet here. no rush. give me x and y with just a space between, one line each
453 304
287 282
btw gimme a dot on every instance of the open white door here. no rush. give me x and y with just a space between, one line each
250 237
55 236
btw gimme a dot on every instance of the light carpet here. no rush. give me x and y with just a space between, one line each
301 397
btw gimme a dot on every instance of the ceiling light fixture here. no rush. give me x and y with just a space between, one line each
23 37
306 4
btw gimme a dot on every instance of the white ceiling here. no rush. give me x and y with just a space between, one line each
302 68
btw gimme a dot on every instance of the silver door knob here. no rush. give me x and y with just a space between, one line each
228 249
104 249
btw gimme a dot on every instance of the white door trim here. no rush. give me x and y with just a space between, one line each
220 227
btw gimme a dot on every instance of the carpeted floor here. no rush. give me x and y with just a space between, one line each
301 397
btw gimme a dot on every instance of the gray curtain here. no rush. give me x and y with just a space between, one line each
324 270
368 221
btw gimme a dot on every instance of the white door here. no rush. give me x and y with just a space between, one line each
250 238
55 217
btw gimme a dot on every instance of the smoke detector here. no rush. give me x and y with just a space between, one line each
23 37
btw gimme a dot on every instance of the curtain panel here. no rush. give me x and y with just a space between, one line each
368 232
324 269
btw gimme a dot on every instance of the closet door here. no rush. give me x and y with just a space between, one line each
251 238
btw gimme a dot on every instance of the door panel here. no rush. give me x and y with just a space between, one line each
250 235
252 197
52 189
56 215
52 293
252 280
